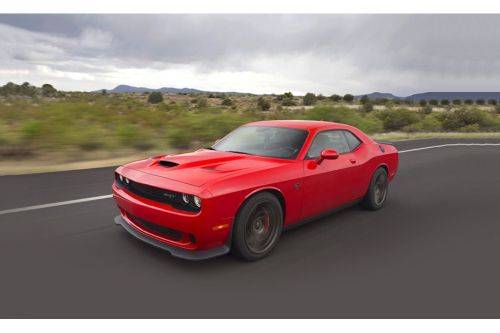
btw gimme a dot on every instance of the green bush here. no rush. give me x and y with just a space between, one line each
335 98
263 104
155 97
309 99
395 120
463 118
348 98
288 102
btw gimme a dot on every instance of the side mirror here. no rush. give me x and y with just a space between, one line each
327 154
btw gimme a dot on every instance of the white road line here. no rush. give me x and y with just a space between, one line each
449 145
71 202
55 204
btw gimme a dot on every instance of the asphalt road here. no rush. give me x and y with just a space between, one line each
432 252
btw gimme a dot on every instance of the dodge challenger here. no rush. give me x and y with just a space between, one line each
241 193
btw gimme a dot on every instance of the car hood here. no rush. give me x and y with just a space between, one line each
202 166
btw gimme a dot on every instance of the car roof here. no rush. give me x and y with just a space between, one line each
299 124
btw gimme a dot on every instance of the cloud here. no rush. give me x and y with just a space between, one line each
325 54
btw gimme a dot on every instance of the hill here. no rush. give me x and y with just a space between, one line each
131 89
455 95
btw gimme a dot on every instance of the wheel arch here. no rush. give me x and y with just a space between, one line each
273 190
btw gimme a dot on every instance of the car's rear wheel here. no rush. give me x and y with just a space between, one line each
257 227
377 192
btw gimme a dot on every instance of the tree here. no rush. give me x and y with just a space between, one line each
288 95
422 102
433 102
227 102
468 102
309 99
335 98
104 92
492 102
365 99
457 102
263 104
445 102
348 98
48 90
155 97
480 101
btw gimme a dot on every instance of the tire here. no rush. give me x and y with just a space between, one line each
257 227
377 192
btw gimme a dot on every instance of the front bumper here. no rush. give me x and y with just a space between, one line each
174 251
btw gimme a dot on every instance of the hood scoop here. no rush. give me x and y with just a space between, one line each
168 164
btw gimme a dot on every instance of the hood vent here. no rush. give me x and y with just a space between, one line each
168 164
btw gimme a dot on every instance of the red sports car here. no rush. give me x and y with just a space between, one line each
239 194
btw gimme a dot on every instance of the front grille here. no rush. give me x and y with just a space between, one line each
168 197
156 228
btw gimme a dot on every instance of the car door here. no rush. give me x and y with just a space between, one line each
326 185
357 156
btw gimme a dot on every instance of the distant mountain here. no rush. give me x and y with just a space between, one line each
438 96
378 95
455 95
122 88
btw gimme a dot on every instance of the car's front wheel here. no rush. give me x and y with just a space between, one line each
377 192
257 227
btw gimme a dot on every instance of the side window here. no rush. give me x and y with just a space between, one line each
328 140
352 140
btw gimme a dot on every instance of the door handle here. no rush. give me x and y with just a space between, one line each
352 160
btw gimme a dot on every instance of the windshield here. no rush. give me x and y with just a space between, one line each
280 142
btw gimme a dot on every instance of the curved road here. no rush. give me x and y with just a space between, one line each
433 251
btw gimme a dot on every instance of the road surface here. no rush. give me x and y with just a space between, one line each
433 251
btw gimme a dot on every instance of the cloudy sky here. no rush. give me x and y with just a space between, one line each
327 54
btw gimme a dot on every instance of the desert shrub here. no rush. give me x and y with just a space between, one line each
470 128
457 102
480 101
227 102
201 102
132 135
455 120
397 119
263 104
445 102
426 110
430 123
492 102
155 97
309 99
364 99
468 102
422 102
433 102
335 98
348 98
288 102
367 107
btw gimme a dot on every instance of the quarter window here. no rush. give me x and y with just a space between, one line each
340 140
352 140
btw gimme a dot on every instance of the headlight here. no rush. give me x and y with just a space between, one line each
185 198
197 201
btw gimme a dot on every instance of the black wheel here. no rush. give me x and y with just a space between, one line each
377 192
257 227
